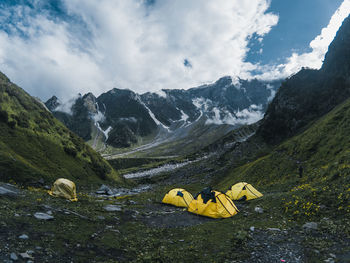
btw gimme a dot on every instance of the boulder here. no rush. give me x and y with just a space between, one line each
43 216
310 226
23 236
9 190
13 256
258 210
104 190
112 208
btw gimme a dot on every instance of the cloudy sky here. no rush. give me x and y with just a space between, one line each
65 47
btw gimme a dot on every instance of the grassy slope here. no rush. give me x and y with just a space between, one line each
130 235
324 152
34 145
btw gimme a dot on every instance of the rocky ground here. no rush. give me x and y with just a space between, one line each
131 225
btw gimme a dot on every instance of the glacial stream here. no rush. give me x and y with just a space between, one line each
158 170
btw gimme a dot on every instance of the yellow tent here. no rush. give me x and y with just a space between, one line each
243 191
178 197
212 204
64 188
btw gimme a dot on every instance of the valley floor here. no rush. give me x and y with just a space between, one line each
138 228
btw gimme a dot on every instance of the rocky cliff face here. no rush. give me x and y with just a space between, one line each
123 117
310 94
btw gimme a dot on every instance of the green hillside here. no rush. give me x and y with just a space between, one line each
34 145
323 151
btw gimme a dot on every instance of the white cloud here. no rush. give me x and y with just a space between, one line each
66 105
130 45
319 47
246 116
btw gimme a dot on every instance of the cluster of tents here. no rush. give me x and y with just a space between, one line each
212 203
208 202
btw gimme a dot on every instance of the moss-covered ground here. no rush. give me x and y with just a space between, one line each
147 231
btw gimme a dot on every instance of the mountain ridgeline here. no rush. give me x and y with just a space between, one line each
125 118
309 94
35 145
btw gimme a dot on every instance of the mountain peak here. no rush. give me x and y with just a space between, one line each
310 93
52 103
90 102
337 58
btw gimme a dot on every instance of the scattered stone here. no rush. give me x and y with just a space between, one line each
252 228
16 215
112 208
259 210
13 256
43 216
332 255
46 187
104 190
9 190
329 260
310 226
273 229
23 236
49 212
26 256
101 217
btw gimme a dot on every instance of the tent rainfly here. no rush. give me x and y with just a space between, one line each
178 197
243 191
64 188
212 204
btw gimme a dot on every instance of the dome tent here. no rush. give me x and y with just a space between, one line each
212 204
178 197
64 188
243 191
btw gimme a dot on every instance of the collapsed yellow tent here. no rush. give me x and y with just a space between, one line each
64 188
178 197
212 204
243 191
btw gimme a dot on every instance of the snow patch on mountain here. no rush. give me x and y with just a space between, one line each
105 132
151 114
202 104
184 118
130 119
